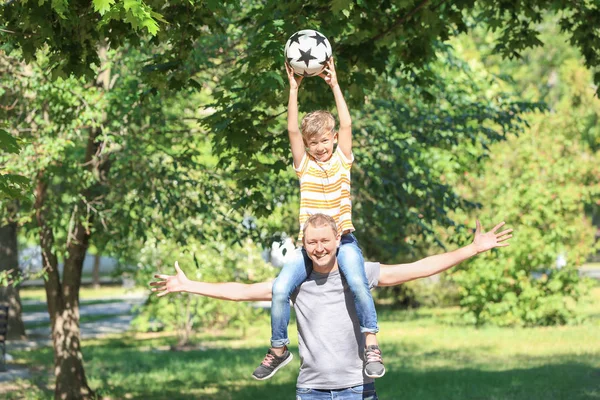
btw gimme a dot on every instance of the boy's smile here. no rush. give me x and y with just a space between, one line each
321 146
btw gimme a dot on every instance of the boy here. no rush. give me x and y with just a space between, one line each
324 174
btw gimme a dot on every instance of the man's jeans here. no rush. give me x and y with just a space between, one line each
295 271
361 392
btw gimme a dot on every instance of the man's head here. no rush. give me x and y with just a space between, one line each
321 240
318 133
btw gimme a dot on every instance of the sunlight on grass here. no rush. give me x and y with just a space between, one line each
427 357
39 294
591 265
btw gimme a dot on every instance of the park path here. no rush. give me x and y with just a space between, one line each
118 312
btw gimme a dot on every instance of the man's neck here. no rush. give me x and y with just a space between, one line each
326 269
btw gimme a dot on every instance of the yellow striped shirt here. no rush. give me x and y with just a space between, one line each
325 188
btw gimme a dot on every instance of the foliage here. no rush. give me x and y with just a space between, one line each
12 186
539 183
408 149
214 263
380 29
245 40
438 291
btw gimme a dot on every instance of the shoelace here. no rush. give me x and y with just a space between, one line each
374 355
268 359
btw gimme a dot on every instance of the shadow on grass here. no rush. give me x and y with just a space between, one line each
209 374
132 369
556 381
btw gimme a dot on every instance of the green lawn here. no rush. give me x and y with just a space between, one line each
591 265
39 293
426 358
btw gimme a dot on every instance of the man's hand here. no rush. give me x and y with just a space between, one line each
170 283
329 74
294 79
485 241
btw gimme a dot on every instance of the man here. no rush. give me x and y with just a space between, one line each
330 344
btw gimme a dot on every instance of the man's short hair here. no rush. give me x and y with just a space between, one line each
317 220
316 123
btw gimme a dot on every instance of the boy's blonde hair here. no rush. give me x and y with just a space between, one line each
317 220
315 123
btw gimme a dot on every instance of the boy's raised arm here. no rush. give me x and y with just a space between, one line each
296 142
392 275
345 130
233 291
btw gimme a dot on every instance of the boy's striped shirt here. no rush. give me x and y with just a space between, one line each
325 188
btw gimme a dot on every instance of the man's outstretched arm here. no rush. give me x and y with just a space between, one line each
392 275
233 291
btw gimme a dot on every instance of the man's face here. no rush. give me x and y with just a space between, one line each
320 146
321 243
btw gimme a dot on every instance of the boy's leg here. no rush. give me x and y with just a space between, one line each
352 265
294 272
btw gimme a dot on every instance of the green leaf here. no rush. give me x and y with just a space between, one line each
9 143
338 6
60 7
102 6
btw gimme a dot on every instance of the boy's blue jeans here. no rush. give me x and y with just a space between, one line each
295 271
361 392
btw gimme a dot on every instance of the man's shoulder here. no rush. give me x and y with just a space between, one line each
372 270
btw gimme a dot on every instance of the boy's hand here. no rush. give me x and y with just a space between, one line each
294 79
329 74
485 241
170 283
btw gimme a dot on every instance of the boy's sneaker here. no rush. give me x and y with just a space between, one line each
271 364
373 363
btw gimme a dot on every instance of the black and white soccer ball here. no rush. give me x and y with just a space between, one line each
307 51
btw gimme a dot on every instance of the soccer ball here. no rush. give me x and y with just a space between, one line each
307 51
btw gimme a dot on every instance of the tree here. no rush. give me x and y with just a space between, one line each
548 176
543 194
189 45
108 160
9 293
368 37
212 261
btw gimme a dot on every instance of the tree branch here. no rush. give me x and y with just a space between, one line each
401 20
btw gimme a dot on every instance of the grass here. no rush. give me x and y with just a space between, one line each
426 358
86 293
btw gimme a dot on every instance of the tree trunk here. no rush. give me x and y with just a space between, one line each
63 303
96 272
9 261
63 297
71 382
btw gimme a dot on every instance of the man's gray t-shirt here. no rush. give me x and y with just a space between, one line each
330 343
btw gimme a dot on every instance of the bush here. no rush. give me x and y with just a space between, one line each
430 292
183 312
539 184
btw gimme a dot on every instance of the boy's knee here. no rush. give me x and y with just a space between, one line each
281 288
351 256
358 285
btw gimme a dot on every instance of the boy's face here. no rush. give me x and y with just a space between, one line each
320 146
